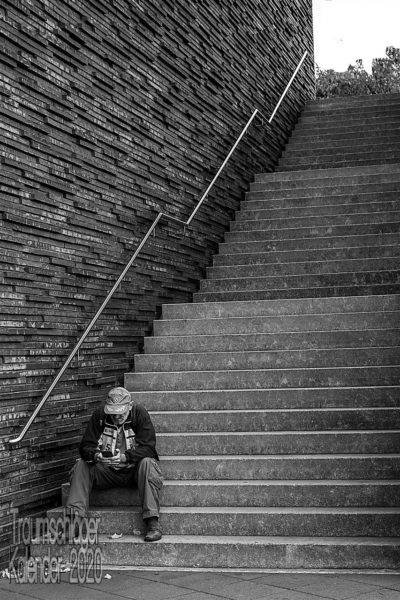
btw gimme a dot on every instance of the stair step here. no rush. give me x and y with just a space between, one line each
306 268
352 114
261 493
265 467
291 466
352 396
277 420
280 442
332 179
311 114
250 212
390 135
355 143
246 552
288 284
368 148
220 342
268 359
365 152
302 256
375 125
265 378
254 521
316 292
323 192
345 161
384 173
320 244
277 324
273 206
314 306
350 131
317 234
307 221
323 105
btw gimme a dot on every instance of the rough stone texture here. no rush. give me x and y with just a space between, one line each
112 111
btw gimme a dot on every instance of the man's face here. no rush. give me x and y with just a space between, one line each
122 417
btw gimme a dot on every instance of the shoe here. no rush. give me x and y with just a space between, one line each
153 530
69 529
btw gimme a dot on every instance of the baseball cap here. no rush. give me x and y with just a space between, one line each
117 402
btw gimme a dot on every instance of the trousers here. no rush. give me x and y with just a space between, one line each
146 477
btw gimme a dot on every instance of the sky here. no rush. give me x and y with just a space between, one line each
346 30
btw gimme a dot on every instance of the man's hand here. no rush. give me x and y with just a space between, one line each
113 461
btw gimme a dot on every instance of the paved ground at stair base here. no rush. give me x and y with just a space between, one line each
168 585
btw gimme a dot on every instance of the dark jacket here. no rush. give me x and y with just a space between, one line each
139 419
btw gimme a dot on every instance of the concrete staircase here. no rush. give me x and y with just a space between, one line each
276 393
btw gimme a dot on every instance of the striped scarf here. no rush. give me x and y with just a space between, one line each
108 439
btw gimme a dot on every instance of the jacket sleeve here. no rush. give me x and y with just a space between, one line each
90 439
145 437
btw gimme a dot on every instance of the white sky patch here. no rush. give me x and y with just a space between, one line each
346 30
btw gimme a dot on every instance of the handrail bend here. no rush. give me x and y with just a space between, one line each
142 243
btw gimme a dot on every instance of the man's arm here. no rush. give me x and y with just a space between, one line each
145 437
89 444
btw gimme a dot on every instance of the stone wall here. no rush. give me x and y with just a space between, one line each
113 110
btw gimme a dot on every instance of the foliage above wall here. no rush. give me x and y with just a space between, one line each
384 78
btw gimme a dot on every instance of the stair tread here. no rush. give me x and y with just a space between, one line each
256 540
293 390
154 355
248 236
256 255
213 283
283 482
344 207
276 482
392 300
178 336
340 410
313 211
322 157
260 457
255 510
262 336
272 316
280 433
260 224
269 370
291 167
300 292
334 171
383 262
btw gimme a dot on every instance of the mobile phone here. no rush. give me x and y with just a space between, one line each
107 453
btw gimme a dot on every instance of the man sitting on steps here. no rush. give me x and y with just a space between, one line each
118 449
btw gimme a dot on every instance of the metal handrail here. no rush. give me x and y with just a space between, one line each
142 243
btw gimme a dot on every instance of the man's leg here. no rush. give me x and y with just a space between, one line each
149 483
86 476
81 483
